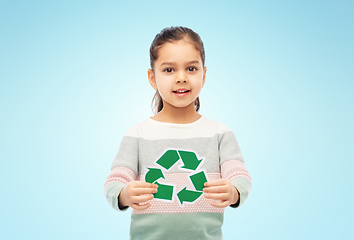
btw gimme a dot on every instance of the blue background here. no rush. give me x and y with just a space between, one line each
74 80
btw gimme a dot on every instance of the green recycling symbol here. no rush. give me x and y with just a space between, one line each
168 159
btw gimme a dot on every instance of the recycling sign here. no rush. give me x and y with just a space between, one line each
191 163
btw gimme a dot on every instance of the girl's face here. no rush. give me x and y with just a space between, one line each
178 73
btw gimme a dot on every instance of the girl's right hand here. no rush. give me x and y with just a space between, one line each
136 194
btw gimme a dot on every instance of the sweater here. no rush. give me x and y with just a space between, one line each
179 158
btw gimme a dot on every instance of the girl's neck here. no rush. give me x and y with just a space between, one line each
171 114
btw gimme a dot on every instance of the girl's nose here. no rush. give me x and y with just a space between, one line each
181 78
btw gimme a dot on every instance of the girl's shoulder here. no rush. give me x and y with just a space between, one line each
217 126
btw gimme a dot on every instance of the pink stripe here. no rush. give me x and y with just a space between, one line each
120 174
232 169
180 180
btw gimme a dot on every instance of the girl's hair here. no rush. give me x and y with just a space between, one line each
168 35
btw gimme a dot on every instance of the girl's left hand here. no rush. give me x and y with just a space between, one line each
222 190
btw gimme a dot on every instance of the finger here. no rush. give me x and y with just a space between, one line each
140 207
142 198
216 189
220 196
141 191
220 204
142 184
215 182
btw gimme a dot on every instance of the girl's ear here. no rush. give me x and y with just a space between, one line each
204 74
152 80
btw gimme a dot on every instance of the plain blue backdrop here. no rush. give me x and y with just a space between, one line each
74 80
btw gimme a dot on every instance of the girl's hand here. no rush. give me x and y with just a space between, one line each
222 190
136 194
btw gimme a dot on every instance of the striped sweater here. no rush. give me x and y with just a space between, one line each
179 158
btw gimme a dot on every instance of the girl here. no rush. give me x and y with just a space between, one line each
177 170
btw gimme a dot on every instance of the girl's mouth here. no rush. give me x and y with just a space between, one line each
181 93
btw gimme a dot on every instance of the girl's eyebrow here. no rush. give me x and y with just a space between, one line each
192 62
167 63
172 63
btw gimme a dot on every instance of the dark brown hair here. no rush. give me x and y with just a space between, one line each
172 34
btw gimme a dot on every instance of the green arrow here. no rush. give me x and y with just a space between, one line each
164 191
188 196
190 160
153 174
169 158
198 180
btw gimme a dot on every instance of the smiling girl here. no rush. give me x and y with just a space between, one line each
177 170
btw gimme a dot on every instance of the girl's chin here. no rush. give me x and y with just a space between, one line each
179 106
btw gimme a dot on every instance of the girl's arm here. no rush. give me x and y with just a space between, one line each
235 184
124 171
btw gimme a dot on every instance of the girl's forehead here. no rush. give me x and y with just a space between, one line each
183 43
178 49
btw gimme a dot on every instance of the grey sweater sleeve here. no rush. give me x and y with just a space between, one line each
124 168
233 166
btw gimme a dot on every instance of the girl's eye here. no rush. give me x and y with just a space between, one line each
191 69
168 70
